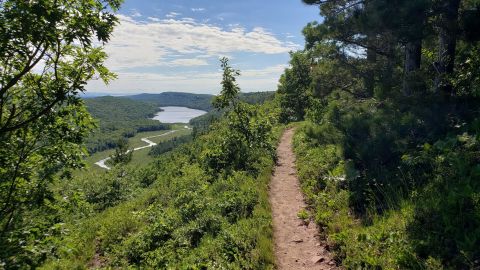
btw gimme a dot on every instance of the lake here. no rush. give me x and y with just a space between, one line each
173 114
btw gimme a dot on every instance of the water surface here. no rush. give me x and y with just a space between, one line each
173 114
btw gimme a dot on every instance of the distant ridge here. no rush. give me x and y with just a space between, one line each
190 100
88 94
193 101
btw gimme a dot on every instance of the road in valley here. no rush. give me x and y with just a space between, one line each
102 163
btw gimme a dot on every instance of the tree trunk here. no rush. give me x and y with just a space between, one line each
414 16
369 79
388 64
447 42
413 58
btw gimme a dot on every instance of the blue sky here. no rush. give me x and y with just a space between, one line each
175 45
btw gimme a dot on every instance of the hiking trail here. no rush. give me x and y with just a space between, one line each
297 245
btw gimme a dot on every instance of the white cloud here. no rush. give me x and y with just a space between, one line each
198 9
147 44
188 62
153 19
172 14
265 72
188 20
135 13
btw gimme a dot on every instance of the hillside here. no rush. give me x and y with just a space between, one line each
124 116
117 109
257 97
193 101
197 101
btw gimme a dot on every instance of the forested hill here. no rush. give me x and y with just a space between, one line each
197 101
257 97
119 117
193 101
110 109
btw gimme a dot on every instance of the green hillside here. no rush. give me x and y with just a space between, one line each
117 109
203 204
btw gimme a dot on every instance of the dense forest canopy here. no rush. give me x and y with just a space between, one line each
120 109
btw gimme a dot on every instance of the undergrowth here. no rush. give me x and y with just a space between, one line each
386 200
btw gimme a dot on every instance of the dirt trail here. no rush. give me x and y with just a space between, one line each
297 246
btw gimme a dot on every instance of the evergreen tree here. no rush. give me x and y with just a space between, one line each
123 154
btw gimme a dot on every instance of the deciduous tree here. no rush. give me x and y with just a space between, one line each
49 50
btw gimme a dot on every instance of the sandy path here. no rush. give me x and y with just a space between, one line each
297 246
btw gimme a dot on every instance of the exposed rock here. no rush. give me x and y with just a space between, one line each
317 259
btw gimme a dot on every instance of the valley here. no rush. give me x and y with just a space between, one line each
175 117
132 117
